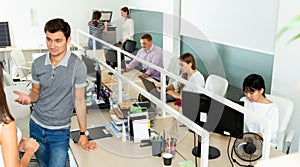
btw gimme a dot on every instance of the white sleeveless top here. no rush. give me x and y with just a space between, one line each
19 134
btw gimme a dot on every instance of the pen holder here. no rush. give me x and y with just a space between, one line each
156 147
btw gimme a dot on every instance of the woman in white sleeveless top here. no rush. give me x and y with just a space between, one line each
8 136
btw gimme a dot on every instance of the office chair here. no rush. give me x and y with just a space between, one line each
20 112
8 80
23 67
216 84
111 55
129 46
286 109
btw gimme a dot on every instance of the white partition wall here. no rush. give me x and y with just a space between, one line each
286 80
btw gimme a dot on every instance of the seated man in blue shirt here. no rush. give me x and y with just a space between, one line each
151 53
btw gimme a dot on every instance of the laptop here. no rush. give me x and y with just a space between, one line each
151 88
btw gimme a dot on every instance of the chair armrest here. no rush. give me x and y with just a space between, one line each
290 136
27 68
288 140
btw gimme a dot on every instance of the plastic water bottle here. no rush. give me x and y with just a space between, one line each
111 105
123 133
97 63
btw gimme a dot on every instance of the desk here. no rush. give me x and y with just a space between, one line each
110 151
106 154
132 75
287 160
220 142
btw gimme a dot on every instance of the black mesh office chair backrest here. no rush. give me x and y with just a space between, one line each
129 46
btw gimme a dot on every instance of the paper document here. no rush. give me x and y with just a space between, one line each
140 130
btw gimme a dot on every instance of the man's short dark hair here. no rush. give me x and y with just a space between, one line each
56 25
147 36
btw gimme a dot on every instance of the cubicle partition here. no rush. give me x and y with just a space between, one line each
166 109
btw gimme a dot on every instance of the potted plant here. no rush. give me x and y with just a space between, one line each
294 23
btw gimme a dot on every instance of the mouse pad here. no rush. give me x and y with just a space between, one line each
94 133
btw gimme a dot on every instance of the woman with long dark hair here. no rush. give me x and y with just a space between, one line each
8 136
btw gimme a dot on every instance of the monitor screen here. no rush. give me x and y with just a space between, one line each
111 58
4 35
90 65
106 16
212 115
98 80
93 72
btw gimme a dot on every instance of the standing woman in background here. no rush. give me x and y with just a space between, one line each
96 28
9 149
128 25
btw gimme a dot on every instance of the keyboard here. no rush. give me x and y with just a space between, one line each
170 98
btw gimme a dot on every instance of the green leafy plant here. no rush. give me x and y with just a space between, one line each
294 23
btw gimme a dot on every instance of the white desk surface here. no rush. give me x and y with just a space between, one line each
290 160
110 151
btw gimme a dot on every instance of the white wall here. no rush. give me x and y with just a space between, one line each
165 6
286 78
171 10
248 24
171 25
27 18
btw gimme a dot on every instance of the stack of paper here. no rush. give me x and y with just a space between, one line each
117 120
140 130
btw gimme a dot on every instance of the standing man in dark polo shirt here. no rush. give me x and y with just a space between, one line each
58 85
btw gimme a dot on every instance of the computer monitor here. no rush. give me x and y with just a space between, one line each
111 59
213 116
93 72
98 80
90 65
106 16
231 122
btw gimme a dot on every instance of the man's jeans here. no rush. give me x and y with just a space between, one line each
54 145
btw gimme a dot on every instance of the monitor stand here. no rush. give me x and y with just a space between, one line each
212 151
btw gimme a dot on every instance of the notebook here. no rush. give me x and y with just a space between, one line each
151 88
94 133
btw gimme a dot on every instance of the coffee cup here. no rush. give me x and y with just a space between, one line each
167 159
